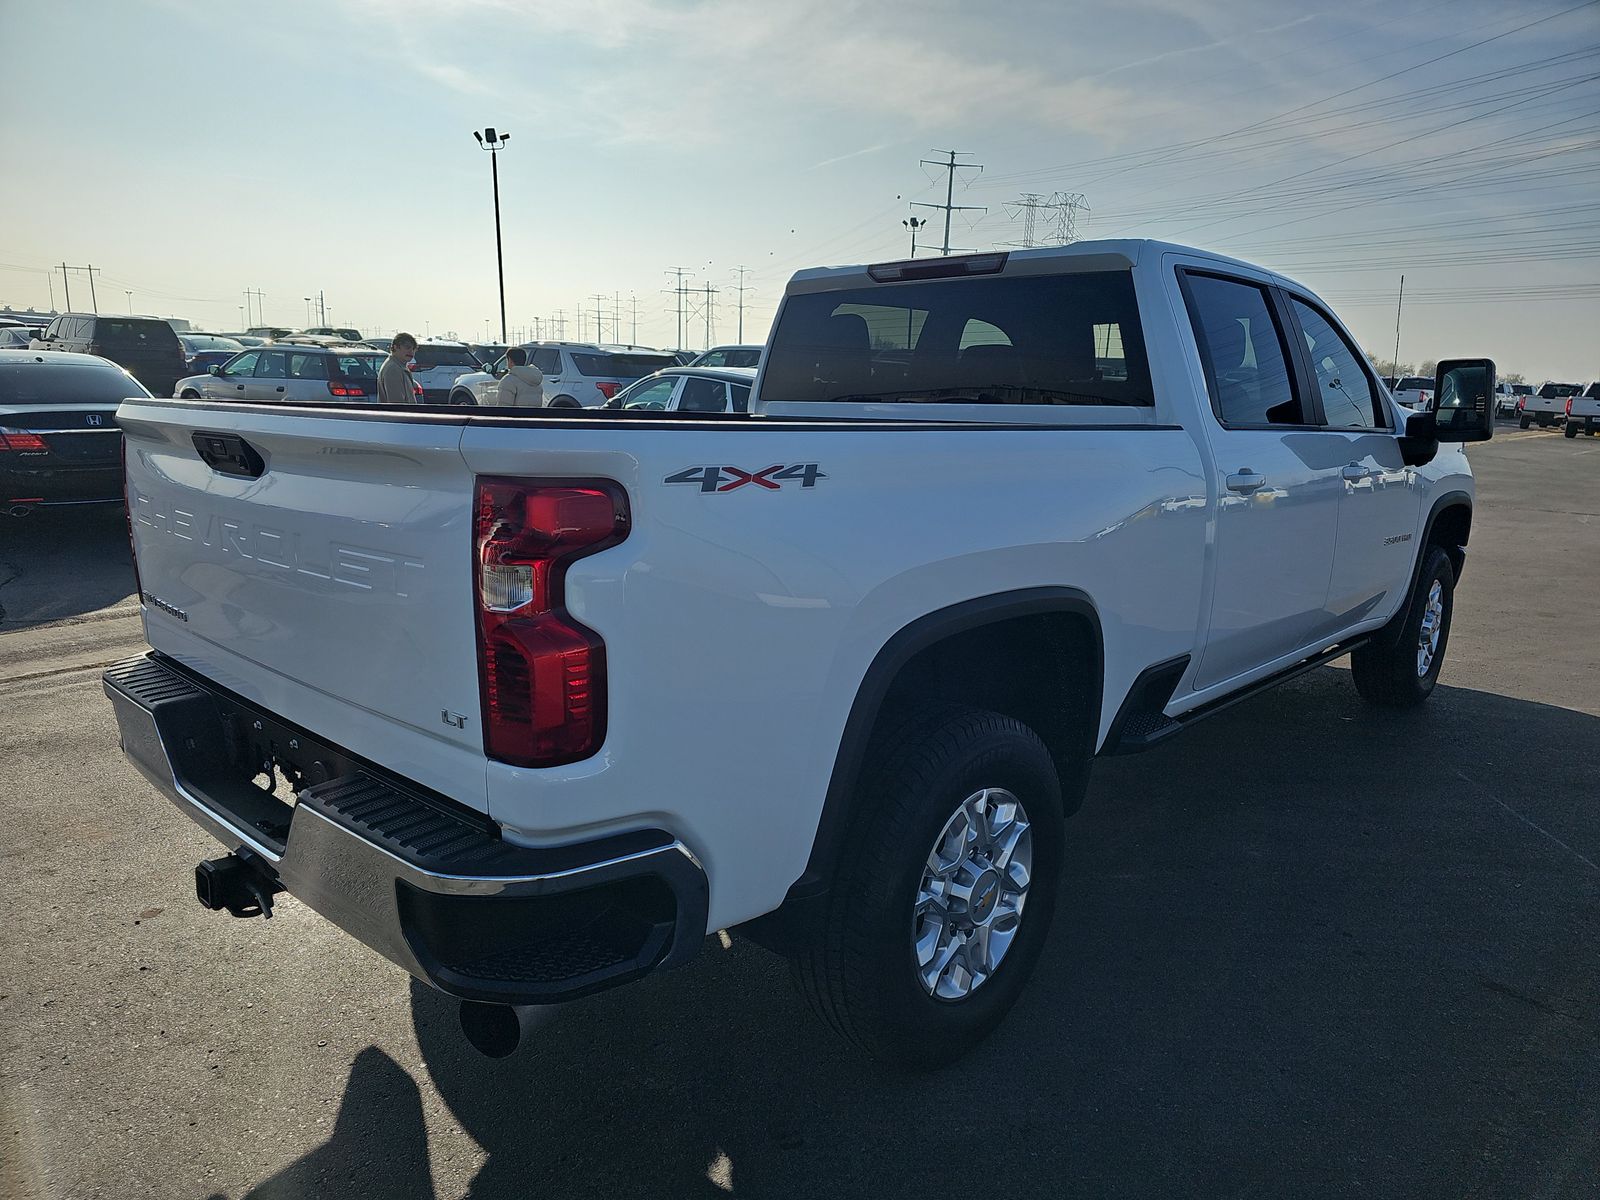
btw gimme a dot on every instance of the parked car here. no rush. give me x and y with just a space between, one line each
344 335
246 340
269 332
1547 406
59 440
202 351
292 373
437 365
16 337
689 389
1413 391
486 352
147 347
1583 412
558 698
576 374
378 343
729 356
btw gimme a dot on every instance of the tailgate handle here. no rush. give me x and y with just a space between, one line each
229 454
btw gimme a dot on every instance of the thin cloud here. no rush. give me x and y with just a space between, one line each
839 158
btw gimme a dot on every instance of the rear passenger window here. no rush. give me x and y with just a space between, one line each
274 364
703 395
548 362
1243 351
741 397
1348 400
308 366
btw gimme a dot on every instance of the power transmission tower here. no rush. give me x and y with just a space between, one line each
742 271
260 311
91 271
561 324
680 292
949 190
711 312
599 323
1060 212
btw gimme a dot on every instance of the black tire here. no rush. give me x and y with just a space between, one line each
189 394
1570 431
1524 422
563 402
1386 669
860 972
463 400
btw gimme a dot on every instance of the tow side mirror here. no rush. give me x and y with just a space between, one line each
1463 400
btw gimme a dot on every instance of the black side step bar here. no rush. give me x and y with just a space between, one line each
1140 722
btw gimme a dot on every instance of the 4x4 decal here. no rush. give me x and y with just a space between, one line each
731 479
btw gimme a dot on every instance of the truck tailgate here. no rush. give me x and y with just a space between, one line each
319 565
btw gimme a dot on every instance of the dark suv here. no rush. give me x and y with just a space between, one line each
146 347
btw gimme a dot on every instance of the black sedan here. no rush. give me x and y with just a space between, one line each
59 441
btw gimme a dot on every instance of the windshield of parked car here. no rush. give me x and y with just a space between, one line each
198 343
66 383
1056 339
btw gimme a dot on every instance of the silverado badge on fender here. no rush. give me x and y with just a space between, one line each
729 479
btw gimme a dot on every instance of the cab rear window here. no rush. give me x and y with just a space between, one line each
1055 339
622 366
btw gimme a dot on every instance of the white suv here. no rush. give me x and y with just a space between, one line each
576 374
437 365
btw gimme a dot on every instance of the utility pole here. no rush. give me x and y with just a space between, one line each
742 271
914 224
322 308
949 190
634 301
711 308
599 327
129 293
488 140
561 324
91 271
93 303
1400 303
679 291
66 286
261 312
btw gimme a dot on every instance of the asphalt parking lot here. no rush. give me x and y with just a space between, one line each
1308 949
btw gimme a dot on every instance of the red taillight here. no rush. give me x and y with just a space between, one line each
344 389
541 675
414 365
1569 406
21 440
1521 400
609 390
416 390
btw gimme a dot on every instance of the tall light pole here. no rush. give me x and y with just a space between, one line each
128 292
495 142
914 224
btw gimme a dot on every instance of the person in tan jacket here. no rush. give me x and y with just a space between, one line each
522 386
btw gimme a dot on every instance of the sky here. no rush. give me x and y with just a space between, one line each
193 150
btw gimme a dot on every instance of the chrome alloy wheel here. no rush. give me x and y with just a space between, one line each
969 904
1428 635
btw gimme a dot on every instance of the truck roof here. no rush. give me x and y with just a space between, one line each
1110 254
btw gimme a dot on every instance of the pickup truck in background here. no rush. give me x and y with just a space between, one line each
1414 392
1547 406
531 701
1583 412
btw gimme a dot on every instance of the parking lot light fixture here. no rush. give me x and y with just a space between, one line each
495 141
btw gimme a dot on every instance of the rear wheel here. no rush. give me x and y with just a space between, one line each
463 399
1400 668
1570 431
944 892
1524 422
189 394
563 402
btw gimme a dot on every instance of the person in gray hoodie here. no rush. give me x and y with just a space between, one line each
522 386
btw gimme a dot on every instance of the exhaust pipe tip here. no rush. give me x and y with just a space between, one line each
20 510
496 1030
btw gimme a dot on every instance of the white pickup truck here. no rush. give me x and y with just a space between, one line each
529 701
1547 406
1583 412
